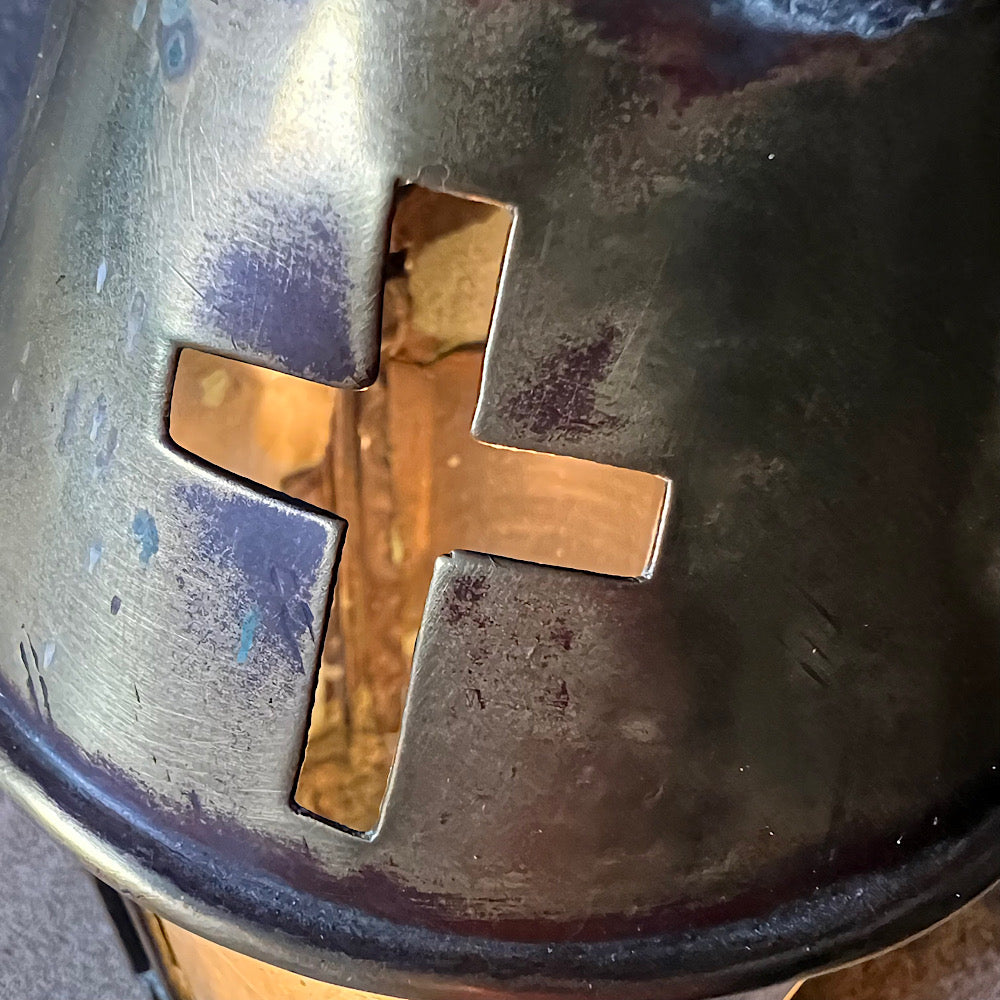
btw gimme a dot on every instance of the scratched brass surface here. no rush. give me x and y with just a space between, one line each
398 462
755 251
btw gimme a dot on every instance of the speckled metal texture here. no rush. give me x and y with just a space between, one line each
761 263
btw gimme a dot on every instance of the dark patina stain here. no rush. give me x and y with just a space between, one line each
466 593
700 54
563 635
711 47
279 288
556 696
374 914
562 400
43 687
274 556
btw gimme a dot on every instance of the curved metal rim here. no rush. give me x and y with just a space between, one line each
186 881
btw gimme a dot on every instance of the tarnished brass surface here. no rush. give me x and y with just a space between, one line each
402 468
755 253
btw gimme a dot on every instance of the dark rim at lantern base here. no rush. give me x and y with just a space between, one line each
194 855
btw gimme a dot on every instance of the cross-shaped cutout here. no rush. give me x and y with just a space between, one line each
398 462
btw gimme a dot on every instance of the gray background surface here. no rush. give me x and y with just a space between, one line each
56 941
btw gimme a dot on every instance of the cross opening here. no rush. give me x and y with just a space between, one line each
398 462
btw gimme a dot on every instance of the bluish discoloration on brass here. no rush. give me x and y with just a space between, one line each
270 558
278 287
146 534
